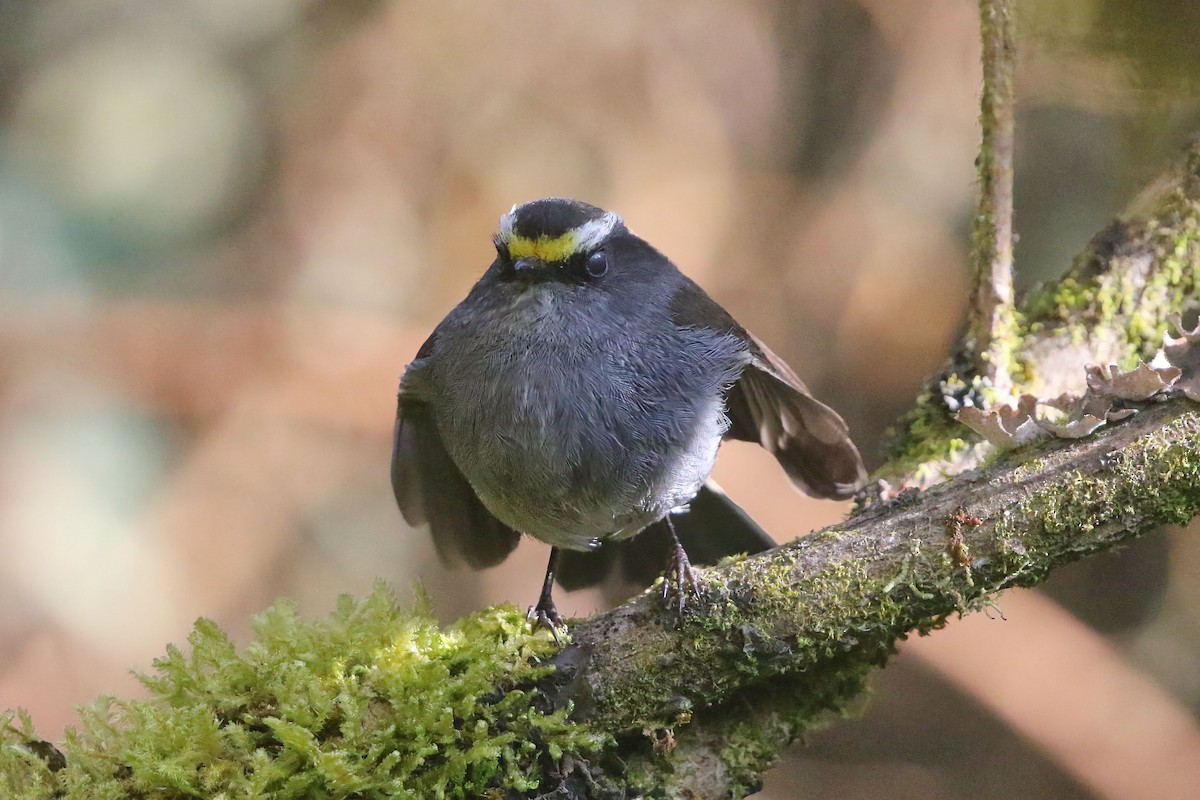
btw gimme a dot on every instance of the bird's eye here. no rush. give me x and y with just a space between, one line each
596 264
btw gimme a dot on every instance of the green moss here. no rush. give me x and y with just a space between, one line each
925 437
1125 285
844 623
1130 278
726 643
852 612
374 702
843 612
1076 504
750 748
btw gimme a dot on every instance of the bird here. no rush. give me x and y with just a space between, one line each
579 395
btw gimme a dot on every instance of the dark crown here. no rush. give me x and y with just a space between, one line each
551 217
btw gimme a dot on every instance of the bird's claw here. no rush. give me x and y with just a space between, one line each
545 615
680 575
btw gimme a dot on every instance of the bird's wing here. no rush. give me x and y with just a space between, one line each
431 490
770 405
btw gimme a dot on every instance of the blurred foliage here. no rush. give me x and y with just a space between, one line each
1159 38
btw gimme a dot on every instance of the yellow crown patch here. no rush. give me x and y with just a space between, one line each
544 248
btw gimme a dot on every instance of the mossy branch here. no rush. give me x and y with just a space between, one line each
378 703
1112 307
822 612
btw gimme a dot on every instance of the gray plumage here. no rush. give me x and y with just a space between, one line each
572 414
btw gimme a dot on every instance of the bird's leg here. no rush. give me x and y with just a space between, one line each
544 614
679 572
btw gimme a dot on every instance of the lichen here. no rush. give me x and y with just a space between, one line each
1113 305
1131 277
374 702
850 613
924 438
845 611
377 702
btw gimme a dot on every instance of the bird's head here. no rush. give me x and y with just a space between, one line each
556 239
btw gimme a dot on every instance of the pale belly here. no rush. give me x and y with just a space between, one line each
572 474
577 484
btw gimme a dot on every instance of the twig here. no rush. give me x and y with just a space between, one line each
989 343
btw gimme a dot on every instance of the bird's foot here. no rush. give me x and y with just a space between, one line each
545 615
680 580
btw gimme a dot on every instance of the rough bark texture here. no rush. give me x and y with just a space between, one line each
780 638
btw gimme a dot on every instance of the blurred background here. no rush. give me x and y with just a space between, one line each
225 228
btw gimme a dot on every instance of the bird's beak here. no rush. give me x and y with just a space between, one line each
527 264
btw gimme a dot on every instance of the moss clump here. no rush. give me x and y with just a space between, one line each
1077 504
374 702
844 612
927 437
1131 277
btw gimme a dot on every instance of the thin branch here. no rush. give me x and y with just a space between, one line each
989 340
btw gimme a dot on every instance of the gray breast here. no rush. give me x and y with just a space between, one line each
573 428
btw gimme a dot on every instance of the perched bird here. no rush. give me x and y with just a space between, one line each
579 395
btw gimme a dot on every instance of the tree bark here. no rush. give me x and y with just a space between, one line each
780 639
